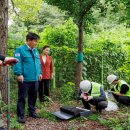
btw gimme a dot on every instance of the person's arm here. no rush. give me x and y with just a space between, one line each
40 66
40 63
7 60
78 96
52 68
18 67
102 96
124 90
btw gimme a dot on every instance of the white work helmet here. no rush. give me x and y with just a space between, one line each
85 86
111 78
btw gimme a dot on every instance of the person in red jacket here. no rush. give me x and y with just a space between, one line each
47 73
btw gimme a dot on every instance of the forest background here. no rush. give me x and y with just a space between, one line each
105 45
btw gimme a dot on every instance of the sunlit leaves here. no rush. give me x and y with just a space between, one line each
65 34
27 10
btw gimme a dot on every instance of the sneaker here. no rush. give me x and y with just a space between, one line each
34 115
2 128
21 120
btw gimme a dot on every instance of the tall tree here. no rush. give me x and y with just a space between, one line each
3 40
77 9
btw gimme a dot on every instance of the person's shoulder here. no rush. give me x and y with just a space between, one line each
95 83
50 57
21 46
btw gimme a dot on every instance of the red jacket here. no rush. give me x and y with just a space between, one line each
47 68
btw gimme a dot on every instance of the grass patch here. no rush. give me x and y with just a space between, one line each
93 117
117 123
15 125
46 114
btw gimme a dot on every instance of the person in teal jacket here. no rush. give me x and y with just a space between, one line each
28 71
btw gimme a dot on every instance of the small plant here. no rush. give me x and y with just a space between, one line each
67 92
46 114
15 125
93 117
114 123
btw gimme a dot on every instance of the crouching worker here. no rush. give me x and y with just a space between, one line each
121 90
93 93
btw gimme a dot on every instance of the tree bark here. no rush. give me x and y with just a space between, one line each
80 50
3 43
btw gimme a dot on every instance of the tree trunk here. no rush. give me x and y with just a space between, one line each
80 50
3 43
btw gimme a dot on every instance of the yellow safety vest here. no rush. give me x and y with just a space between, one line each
121 82
95 89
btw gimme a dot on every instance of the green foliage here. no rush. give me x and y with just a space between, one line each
107 50
17 36
44 113
50 15
76 9
93 117
64 35
23 9
122 123
15 125
39 17
65 59
67 92
125 69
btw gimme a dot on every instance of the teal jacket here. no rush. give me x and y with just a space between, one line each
29 63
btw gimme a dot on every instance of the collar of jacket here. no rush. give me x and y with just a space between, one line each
28 48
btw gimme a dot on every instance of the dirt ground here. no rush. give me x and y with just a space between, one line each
45 124
72 124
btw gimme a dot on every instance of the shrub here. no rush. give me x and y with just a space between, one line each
67 92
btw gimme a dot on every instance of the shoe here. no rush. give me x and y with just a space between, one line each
99 111
34 115
21 120
42 99
2 128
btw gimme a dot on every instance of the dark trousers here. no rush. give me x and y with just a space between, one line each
99 104
27 89
44 88
122 99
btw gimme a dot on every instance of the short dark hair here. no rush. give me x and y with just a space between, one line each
45 47
32 36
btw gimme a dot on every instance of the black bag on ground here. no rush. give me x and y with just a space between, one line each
71 110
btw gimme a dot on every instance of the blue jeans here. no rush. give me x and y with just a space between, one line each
27 89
